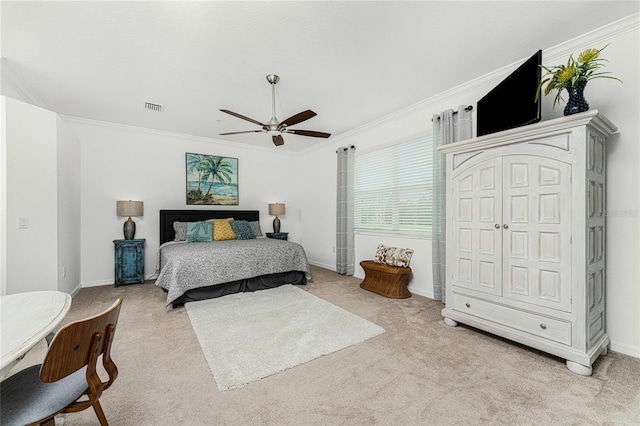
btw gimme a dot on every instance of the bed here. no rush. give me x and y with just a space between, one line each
204 270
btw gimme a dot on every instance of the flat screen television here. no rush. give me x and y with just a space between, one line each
512 102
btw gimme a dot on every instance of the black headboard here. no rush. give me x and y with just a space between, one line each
167 217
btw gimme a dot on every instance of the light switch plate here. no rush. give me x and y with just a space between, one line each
23 222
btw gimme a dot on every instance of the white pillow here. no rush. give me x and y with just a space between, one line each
393 256
181 231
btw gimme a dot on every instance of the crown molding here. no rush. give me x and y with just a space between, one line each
595 37
166 133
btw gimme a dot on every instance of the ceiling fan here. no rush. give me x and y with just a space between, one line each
275 127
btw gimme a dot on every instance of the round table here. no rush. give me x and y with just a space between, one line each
25 319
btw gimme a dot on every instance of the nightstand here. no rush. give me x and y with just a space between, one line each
278 235
129 261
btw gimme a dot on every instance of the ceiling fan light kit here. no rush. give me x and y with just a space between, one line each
275 127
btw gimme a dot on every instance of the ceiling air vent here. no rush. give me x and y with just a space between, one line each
152 106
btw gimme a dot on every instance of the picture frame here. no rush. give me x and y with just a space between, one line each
211 180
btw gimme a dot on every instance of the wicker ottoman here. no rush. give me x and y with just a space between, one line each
385 280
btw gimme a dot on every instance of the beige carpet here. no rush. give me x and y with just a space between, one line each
419 372
249 336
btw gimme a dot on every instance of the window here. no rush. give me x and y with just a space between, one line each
392 188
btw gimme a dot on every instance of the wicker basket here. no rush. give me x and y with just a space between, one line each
385 280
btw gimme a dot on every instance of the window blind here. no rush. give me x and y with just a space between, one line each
393 188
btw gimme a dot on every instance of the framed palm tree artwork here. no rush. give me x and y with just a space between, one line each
212 180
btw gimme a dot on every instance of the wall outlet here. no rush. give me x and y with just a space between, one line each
64 272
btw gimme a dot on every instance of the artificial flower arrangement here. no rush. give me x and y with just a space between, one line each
576 73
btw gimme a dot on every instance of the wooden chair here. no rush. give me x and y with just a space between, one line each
69 372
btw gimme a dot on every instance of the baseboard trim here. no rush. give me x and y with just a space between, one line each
323 265
625 349
421 292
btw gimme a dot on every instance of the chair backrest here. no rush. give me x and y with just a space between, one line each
79 344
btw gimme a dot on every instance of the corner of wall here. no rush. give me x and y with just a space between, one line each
3 196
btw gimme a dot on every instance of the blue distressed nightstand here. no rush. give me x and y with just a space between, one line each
129 261
278 235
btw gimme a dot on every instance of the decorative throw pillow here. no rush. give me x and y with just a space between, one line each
393 256
198 232
242 229
381 254
403 257
180 229
222 230
255 227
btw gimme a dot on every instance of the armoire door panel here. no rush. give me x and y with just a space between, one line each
548 176
477 200
519 209
488 178
465 210
487 243
549 247
549 208
519 245
536 231
487 210
464 240
519 175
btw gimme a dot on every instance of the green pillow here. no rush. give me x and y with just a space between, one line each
242 229
199 232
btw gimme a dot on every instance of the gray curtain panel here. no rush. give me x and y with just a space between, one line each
345 240
448 127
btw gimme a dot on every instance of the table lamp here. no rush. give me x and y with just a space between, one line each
131 209
274 210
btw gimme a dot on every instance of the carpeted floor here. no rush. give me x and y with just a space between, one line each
419 372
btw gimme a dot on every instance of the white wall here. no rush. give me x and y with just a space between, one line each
31 188
619 102
123 162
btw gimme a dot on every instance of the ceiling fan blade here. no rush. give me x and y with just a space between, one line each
235 114
298 118
309 133
244 131
278 140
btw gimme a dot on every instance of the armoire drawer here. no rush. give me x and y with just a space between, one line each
549 328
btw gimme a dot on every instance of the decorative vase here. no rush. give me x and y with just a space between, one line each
577 103
129 229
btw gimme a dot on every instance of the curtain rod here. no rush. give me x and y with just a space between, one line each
344 148
469 108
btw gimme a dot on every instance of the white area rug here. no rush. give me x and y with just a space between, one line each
249 336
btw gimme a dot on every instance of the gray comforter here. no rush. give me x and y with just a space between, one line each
185 266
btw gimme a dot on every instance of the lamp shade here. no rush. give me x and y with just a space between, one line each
129 208
275 209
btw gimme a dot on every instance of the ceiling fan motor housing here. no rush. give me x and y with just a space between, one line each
273 79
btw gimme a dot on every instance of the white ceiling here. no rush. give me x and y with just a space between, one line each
350 62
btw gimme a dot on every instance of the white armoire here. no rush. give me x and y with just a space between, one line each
526 236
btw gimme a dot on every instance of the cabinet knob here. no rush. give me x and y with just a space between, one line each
497 226
543 326
468 305
505 226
